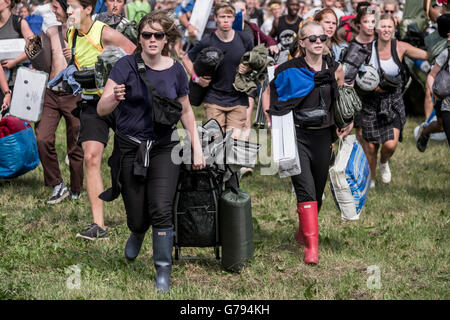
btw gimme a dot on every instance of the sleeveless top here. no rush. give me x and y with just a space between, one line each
389 66
86 53
8 31
283 25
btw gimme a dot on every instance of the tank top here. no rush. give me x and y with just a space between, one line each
86 53
388 66
8 31
283 25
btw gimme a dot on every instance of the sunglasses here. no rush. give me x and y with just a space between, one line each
149 35
322 38
389 11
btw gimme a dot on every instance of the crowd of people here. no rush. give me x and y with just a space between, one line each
373 46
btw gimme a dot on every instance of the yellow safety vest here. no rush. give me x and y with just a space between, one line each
87 48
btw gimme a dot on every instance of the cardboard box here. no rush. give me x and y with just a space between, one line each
11 48
284 145
28 95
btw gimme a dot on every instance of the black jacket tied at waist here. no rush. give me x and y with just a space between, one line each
124 145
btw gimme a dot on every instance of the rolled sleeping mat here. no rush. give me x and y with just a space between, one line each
236 229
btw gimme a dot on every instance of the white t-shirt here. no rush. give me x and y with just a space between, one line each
49 18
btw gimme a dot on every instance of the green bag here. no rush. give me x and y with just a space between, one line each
435 45
346 106
236 229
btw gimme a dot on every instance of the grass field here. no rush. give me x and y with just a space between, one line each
399 249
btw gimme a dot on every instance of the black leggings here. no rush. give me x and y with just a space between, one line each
314 149
149 201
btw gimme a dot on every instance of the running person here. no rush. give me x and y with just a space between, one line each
149 200
90 38
309 81
383 112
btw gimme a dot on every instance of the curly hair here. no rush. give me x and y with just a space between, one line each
168 25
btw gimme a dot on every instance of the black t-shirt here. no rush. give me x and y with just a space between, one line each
135 117
220 90
257 16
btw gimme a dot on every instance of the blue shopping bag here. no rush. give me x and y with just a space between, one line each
18 154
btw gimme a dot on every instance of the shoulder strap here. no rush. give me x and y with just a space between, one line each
17 24
142 70
395 54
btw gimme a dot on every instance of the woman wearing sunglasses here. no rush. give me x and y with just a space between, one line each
307 85
329 21
148 198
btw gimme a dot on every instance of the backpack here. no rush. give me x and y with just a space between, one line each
345 24
117 22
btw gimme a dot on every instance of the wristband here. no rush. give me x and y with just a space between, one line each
115 97
188 24
195 78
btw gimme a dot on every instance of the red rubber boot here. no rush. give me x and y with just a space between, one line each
299 231
310 225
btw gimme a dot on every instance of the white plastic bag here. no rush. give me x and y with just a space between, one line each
350 178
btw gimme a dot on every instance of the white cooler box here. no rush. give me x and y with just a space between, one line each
284 146
11 48
28 95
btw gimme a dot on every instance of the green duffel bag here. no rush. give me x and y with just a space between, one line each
236 229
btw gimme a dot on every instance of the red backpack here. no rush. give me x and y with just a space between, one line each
345 23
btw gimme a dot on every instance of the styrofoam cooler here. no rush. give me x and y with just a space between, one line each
284 145
11 48
28 95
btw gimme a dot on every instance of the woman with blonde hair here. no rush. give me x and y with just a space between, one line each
307 85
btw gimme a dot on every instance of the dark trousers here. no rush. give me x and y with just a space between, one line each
314 148
445 115
149 201
57 105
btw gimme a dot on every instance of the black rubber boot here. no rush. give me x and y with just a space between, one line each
162 256
133 245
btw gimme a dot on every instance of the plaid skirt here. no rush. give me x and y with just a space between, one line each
380 114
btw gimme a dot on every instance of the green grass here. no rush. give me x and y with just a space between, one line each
404 231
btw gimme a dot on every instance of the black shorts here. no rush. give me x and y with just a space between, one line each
92 126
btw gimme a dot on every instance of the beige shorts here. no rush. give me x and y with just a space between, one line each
227 117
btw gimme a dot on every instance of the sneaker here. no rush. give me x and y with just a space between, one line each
60 192
385 172
422 139
75 195
93 232
372 184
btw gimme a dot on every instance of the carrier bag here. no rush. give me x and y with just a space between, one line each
241 153
350 178
236 229
284 145
18 153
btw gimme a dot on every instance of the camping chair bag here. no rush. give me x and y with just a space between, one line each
236 229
